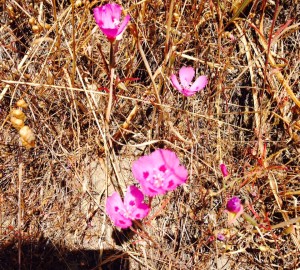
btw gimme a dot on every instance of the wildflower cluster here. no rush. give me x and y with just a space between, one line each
160 171
157 173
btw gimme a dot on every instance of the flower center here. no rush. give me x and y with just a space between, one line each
159 176
125 213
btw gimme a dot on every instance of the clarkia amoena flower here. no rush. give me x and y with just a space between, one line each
186 75
108 19
122 213
159 172
224 170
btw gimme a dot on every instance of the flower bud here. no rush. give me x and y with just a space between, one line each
234 205
224 170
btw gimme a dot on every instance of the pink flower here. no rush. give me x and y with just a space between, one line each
235 209
159 172
234 205
186 75
221 237
224 170
133 207
108 19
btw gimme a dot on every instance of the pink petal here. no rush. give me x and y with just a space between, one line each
111 14
122 27
103 17
186 75
98 15
140 212
110 33
150 190
188 92
114 208
143 167
115 10
134 203
199 84
133 197
176 178
166 157
175 82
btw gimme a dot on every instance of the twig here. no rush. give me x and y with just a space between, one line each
20 213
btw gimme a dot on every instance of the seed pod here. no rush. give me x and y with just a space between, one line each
176 16
22 104
78 3
32 21
11 11
36 29
27 137
16 123
18 114
45 25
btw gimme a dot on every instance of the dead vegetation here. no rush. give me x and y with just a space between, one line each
54 57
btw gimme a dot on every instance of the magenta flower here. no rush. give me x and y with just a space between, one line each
159 172
186 75
108 19
221 237
234 205
224 170
235 209
122 213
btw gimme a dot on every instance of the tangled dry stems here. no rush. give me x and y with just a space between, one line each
52 196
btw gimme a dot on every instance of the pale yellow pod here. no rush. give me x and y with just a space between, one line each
18 114
45 25
27 137
36 28
78 3
32 21
17 123
22 104
11 11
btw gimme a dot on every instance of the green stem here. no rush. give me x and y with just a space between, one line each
250 219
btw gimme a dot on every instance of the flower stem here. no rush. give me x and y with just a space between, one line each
250 219
111 86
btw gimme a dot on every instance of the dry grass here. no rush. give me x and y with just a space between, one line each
52 196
